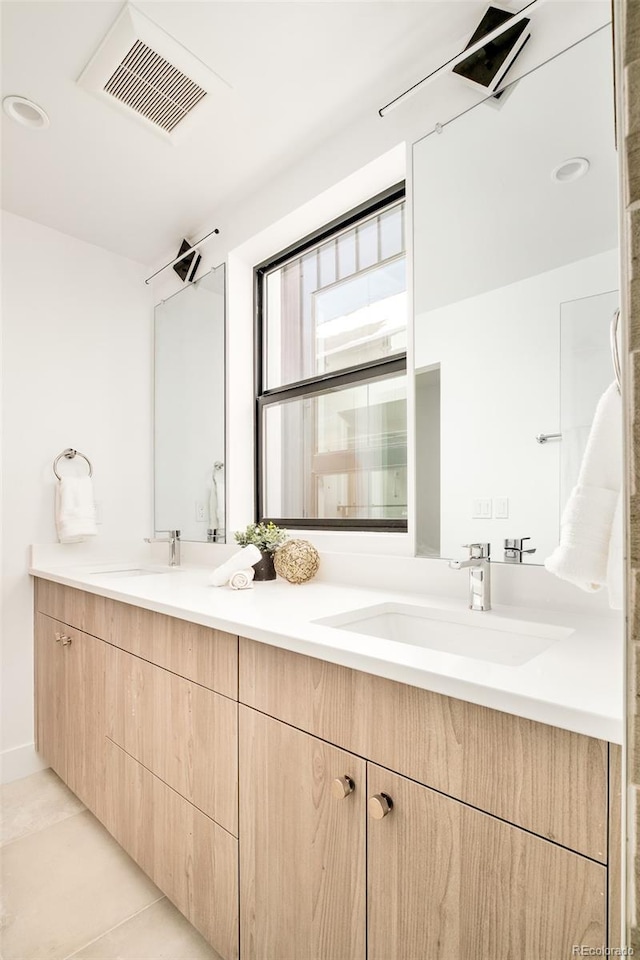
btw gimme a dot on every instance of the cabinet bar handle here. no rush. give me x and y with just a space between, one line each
341 787
380 806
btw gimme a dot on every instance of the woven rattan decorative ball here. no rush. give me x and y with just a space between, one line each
297 561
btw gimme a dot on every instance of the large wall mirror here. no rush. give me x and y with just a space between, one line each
189 411
516 279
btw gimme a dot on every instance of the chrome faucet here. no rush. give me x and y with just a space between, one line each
174 545
479 574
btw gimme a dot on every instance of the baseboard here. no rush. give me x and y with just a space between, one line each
19 762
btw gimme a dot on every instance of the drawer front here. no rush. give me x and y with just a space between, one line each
191 858
549 781
210 657
185 734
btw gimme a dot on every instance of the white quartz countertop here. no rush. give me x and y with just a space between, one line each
576 683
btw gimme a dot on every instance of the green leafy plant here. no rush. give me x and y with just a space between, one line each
265 536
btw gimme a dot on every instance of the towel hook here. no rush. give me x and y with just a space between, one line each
69 454
615 353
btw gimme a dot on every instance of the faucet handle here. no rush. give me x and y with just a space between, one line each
478 551
514 548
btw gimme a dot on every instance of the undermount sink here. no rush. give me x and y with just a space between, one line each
479 636
134 571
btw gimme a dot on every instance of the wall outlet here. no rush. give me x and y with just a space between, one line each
200 512
501 508
481 509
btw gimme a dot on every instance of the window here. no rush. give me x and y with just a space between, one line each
331 375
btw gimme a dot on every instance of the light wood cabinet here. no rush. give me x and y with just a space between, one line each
210 657
302 849
448 882
182 732
70 706
191 858
152 754
547 780
500 842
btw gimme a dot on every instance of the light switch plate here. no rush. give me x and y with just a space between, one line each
501 508
481 508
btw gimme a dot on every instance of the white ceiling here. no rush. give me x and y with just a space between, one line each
298 71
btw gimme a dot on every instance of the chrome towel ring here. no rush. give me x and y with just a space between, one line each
69 454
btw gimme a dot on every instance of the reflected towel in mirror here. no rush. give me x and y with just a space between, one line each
590 550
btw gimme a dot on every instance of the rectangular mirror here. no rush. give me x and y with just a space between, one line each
189 411
515 285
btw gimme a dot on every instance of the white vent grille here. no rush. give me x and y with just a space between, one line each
153 87
144 72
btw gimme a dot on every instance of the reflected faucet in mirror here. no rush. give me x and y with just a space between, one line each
514 549
479 574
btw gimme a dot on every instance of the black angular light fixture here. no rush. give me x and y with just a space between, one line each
186 267
488 66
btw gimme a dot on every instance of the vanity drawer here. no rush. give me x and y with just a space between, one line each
210 657
182 732
191 858
547 780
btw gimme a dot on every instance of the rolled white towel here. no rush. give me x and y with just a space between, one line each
241 560
241 579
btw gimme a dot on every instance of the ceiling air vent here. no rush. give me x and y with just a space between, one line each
152 86
142 69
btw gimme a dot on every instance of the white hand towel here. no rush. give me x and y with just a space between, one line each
75 509
241 560
590 550
241 579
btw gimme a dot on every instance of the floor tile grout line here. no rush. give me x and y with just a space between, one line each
33 833
114 927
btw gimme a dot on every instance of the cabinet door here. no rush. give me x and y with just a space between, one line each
302 848
448 882
84 705
50 694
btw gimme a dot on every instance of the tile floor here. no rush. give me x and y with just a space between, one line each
69 891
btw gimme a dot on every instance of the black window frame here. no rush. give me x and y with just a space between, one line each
366 372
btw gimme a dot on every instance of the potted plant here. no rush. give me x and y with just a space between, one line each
267 537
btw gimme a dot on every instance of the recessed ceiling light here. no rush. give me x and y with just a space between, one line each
26 112
570 170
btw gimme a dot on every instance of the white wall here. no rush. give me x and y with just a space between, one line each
499 356
76 372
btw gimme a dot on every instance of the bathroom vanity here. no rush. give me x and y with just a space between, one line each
295 808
